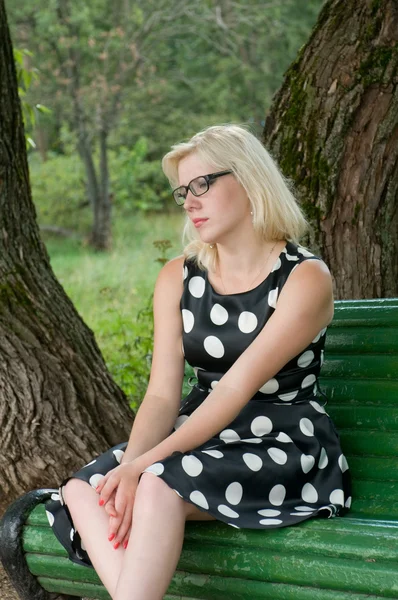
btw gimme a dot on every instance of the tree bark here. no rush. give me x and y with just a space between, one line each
333 128
59 405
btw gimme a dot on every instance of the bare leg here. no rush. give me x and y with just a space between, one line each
91 521
155 542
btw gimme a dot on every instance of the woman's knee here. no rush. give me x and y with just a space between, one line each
152 490
72 491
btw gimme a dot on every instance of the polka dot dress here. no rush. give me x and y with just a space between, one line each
279 461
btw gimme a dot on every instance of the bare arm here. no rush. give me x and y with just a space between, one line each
159 408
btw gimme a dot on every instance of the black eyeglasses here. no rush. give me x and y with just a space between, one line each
198 186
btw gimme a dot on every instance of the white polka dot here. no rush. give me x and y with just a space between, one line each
322 357
304 251
270 386
156 468
90 463
309 380
180 420
277 265
229 435
269 512
283 437
323 459
329 508
309 493
192 465
83 547
232 525
343 463
227 511
305 359
185 272
72 534
292 257
277 495
199 499
95 479
218 314
316 338
214 346
247 321
306 427
302 514
196 286
337 497
50 518
317 406
261 426
253 461
56 497
277 455
188 320
348 502
213 384
307 462
272 297
304 508
234 492
253 440
289 396
61 499
214 453
118 454
270 521
177 492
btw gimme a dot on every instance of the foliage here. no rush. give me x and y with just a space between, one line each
163 74
25 77
113 292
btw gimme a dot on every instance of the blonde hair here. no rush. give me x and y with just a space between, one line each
276 213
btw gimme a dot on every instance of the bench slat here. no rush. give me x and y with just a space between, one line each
363 443
204 587
357 392
361 340
384 418
289 568
335 538
360 366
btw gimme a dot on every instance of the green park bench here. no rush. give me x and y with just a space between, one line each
354 557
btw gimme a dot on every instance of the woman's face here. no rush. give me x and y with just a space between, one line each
225 206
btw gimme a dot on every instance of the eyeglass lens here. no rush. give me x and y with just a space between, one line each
198 186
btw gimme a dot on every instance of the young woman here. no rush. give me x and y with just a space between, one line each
251 445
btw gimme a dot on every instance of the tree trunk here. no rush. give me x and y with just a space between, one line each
333 128
101 234
59 406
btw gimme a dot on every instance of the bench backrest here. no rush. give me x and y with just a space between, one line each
360 379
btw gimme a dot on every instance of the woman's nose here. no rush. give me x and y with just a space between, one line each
190 200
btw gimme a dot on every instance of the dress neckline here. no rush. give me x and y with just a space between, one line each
284 249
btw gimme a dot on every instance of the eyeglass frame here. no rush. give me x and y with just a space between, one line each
208 178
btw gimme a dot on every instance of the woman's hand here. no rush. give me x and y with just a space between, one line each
117 491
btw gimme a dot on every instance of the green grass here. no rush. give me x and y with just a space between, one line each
109 289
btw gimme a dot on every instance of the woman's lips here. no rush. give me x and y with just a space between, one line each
199 222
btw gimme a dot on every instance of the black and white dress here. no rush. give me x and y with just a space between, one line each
279 461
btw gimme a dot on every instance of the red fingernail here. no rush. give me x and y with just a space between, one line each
125 543
116 546
101 502
110 538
